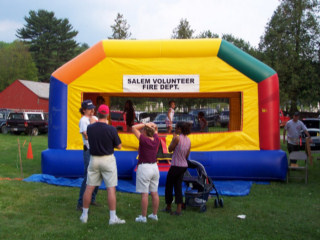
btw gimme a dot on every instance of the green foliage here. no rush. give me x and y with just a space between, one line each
207 34
183 30
291 46
120 29
3 44
81 48
240 43
50 39
15 63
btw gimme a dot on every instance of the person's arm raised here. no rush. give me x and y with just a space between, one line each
154 126
136 129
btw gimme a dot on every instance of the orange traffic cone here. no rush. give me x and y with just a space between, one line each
29 153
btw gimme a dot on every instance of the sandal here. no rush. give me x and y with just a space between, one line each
166 210
175 213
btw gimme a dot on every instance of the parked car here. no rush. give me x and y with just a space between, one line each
143 117
312 122
210 114
224 118
313 127
160 120
118 120
28 122
4 113
283 119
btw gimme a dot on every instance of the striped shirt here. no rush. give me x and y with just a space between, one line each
180 152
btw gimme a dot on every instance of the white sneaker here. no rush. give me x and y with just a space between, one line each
153 217
84 218
142 219
116 220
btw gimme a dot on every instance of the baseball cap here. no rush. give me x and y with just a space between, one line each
87 104
103 109
296 114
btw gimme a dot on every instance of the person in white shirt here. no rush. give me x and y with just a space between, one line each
294 127
170 114
87 111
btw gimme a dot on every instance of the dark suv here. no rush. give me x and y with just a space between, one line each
28 122
313 127
3 120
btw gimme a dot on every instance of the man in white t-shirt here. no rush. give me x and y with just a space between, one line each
87 112
294 127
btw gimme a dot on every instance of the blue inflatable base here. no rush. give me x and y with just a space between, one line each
225 188
263 165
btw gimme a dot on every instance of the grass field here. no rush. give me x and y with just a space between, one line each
42 211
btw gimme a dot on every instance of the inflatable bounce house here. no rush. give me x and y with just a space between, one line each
202 68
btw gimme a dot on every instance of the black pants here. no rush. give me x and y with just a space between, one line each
292 148
174 181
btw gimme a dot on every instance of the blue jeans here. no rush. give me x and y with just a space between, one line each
86 159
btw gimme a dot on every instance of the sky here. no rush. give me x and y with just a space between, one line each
148 19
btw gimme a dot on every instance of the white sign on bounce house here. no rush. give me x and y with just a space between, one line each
161 83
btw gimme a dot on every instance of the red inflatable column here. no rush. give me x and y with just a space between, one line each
269 113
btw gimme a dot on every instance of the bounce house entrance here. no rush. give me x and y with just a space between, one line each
221 111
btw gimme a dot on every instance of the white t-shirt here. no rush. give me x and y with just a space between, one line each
83 124
171 113
294 131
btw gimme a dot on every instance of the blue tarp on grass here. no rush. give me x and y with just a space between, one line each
225 188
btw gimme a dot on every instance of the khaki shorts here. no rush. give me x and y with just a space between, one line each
147 178
102 167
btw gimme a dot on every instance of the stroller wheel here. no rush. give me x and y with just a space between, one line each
216 203
221 202
203 208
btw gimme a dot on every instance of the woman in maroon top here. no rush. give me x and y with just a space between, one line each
148 172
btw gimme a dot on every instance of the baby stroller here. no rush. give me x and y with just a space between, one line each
199 187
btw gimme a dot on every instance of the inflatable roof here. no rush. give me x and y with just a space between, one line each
178 68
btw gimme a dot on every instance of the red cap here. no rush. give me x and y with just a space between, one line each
103 109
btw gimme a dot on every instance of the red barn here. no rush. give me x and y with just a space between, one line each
26 95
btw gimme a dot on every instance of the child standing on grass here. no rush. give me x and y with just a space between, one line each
170 115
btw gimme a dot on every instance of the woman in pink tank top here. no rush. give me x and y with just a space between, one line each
180 145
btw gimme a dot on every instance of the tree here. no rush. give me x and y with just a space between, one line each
207 34
183 30
50 40
15 63
240 43
291 46
120 28
81 48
